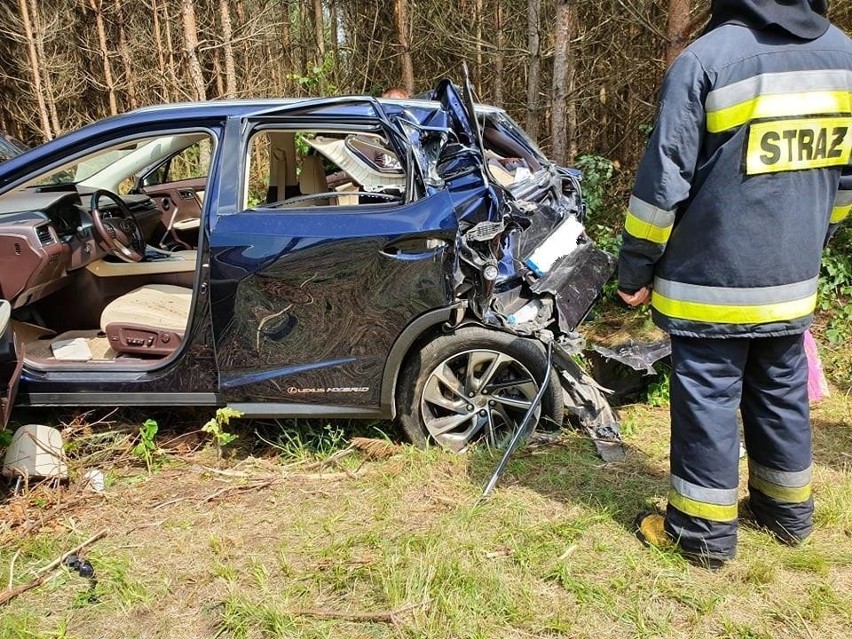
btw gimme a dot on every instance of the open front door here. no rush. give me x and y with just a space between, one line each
11 363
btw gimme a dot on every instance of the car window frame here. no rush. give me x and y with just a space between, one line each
303 124
166 164
85 151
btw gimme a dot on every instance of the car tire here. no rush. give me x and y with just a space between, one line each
434 390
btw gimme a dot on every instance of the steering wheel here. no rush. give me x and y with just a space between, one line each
122 236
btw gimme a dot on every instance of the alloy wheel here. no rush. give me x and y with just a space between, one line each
476 394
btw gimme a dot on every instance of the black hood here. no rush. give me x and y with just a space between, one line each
804 19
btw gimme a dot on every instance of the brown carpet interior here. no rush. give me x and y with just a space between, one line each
98 345
38 343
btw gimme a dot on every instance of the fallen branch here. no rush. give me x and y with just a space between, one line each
170 502
12 568
43 575
386 616
328 461
260 485
33 526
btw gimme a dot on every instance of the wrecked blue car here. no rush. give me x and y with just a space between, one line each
342 257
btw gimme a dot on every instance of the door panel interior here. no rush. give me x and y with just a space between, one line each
11 363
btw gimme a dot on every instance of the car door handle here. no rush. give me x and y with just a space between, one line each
416 248
186 194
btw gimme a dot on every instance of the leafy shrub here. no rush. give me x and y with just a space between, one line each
835 291
146 449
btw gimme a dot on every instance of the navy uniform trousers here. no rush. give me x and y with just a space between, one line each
766 379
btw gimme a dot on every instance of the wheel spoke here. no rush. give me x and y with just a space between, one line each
528 388
433 395
513 383
448 378
502 414
443 425
521 404
495 365
474 360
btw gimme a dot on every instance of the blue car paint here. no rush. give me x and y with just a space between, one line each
291 299
338 282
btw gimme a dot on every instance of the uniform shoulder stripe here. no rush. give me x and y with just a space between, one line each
777 95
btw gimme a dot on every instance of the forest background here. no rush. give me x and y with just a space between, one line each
581 77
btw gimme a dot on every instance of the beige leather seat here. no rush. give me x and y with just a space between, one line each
150 320
312 179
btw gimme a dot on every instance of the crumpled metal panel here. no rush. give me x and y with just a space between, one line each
576 281
638 356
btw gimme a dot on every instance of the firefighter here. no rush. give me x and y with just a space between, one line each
745 177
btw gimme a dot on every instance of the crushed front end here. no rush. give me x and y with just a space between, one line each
524 263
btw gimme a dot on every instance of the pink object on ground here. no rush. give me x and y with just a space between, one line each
817 384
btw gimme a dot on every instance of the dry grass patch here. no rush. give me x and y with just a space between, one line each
401 547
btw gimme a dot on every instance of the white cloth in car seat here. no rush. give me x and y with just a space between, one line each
158 306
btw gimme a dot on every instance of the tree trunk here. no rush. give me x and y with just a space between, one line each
170 47
677 29
319 31
403 28
161 56
287 43
190 38
50 96
124 52
217 73
109 81
499 43
228 50
334 15
534 63
303 45
35 67
479 70
564 110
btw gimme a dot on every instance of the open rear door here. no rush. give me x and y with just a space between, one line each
11 363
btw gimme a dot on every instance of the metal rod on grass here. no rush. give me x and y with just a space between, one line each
521 433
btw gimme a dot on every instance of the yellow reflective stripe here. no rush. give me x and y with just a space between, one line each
782 493
694 508
777 106
727 314
840 213
798 144
643 230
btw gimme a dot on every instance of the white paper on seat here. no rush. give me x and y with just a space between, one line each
76 349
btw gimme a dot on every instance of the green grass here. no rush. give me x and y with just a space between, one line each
551 554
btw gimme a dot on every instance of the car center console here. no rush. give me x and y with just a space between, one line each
160 263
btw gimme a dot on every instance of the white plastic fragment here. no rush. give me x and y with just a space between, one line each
563 241
36 452
94 479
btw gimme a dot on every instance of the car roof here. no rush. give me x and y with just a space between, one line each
254 106
196 113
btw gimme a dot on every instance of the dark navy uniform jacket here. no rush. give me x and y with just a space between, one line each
746 174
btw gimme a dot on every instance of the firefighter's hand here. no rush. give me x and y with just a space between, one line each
642 296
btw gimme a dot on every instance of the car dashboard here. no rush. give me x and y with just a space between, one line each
46 234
